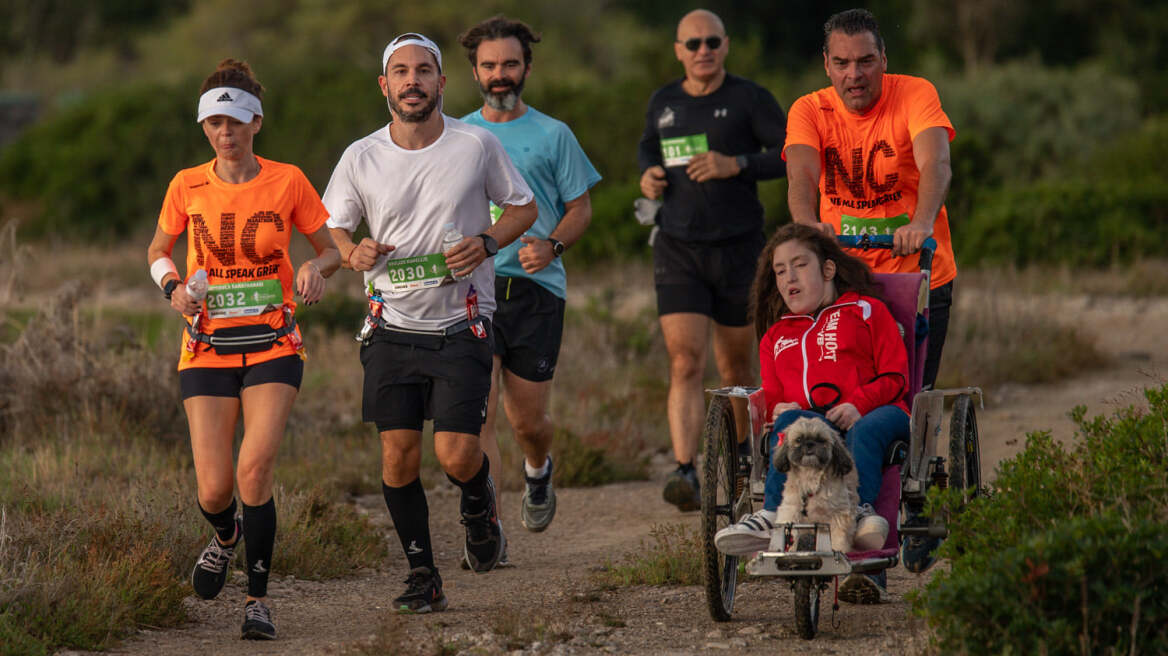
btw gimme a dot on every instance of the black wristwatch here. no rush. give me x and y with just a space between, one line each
490 244
742 162
168 288
558 247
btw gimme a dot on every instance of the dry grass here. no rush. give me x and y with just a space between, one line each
672 557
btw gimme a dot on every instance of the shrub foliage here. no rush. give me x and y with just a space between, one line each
1070 554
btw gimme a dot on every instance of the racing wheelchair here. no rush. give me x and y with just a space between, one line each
801 554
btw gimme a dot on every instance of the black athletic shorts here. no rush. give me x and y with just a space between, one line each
228 381
529 326
710 278
411 378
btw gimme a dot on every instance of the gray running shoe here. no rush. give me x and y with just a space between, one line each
539 501
682 490
257 622
210 572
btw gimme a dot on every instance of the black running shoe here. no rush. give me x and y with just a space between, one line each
210 572
257 622
682 490
485 542
423 593
539 501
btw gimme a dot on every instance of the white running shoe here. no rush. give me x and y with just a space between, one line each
751 534
871 530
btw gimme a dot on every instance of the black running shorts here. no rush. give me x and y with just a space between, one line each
228 381
710 278
529 326
412 378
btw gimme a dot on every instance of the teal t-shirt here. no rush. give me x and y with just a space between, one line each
555 167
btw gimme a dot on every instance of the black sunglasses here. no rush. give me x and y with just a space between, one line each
712 42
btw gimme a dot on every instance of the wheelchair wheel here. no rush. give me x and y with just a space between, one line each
719 470
806 596
964 451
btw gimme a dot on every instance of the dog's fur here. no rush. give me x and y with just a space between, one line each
821 472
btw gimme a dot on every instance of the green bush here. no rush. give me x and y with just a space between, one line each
1069 555
1076 222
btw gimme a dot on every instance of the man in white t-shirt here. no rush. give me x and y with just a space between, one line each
428 356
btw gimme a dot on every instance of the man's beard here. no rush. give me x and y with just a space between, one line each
502 101
415 116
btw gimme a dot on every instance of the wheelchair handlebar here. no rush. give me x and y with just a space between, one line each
865 242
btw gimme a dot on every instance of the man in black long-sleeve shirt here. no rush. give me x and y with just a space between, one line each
709 137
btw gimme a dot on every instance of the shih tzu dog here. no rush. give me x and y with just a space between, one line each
821 480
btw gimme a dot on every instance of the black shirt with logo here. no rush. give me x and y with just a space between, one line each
739 118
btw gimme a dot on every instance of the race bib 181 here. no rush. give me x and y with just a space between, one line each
418 272
678 151
244 299
858 226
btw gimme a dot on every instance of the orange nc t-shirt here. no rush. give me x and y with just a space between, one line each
240 234
868 177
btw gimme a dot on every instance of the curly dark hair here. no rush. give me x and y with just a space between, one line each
494 28
851 273
235 74
852 22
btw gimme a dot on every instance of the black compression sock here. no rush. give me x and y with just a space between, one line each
474 492
685 467
411 519
259 534
223 522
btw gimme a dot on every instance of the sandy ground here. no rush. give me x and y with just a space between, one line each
553 581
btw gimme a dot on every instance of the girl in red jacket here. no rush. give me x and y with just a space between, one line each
828 348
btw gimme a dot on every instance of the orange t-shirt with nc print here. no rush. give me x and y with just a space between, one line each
868 178
240 233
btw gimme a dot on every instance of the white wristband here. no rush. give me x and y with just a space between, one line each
160 267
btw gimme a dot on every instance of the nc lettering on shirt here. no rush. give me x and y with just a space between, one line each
859 175
223 248
827 339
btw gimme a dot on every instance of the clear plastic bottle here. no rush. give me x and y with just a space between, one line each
451 238
197 286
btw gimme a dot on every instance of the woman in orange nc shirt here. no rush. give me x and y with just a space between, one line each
241 347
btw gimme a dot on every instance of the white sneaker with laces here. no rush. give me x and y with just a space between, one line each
751 534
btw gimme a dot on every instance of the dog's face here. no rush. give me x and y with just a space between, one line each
813 444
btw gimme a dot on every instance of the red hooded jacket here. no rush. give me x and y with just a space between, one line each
853 344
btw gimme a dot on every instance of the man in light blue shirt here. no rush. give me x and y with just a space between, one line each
530 280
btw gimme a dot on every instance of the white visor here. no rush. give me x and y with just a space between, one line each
229 101
410 39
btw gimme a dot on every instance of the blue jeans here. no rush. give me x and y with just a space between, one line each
867 440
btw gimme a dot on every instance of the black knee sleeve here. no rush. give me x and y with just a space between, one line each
474 492
223 521
411 519
259 535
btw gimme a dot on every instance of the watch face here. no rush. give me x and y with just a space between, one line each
557 247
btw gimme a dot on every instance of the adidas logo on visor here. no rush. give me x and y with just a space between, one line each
224 98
